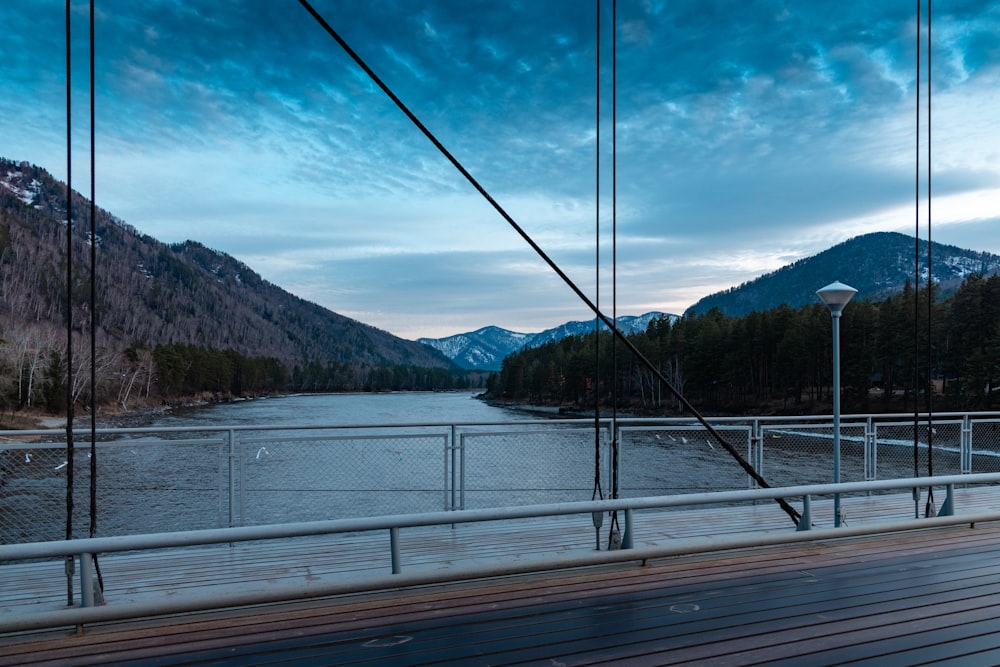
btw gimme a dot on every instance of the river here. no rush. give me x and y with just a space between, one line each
344 409
280 469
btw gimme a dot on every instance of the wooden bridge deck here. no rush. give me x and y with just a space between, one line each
929 597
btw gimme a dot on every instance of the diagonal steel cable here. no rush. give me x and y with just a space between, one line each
749 469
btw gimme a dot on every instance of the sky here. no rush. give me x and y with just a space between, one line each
735 137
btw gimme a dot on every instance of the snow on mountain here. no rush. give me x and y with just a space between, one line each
17 182
876 264
485 349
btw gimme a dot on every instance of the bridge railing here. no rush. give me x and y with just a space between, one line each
91 610
187 478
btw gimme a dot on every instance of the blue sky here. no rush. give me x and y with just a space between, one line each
749 135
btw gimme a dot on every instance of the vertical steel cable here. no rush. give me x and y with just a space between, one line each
916 281
614 242
93 298
93 295
614 529
596 375
925 379
929 508
69 301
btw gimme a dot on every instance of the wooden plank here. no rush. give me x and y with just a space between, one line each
521 604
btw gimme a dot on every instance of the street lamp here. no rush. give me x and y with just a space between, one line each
835 296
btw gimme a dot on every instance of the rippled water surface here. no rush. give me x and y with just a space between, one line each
190 479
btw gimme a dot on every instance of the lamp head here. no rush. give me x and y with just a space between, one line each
835 296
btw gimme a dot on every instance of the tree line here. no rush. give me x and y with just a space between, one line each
34 374
896 354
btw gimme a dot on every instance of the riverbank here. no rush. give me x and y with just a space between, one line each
552 411
137 417
140 416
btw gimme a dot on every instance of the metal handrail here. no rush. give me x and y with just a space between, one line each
85 548
620 421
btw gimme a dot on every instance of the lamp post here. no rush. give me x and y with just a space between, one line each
835 296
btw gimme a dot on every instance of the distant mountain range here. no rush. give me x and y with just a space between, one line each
485 349
152 293
877 265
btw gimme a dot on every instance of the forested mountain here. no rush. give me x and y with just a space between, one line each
181 300
780 360
485 349
877 265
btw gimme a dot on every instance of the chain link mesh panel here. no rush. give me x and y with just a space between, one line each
523 467
144 486
174 480
985 438
894 449
667 460
33 492
796 454
317 478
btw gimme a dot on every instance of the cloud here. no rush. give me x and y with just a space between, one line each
748 135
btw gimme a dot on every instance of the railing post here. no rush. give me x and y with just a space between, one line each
609 444
461 472
447 480
756 453
627 539
805 521
453 446
394 549
965 445
871 455
87 579
948 508
616 478
598 519
232 479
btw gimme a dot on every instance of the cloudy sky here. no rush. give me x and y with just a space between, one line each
749 135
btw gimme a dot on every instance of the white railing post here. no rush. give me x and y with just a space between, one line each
871 454
965 445
232 481
756 453
449 471
461 472
397 566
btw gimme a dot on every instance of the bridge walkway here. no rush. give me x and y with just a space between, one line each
920 589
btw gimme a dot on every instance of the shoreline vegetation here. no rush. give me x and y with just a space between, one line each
777 362
108 417
144 415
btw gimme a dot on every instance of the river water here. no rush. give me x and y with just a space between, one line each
182 480
343 409
186 479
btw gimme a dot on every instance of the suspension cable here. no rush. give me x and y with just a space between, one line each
924 380
69 301
929 508
93 301
614 237
595 381
93 294
615 444
629 345
916 280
